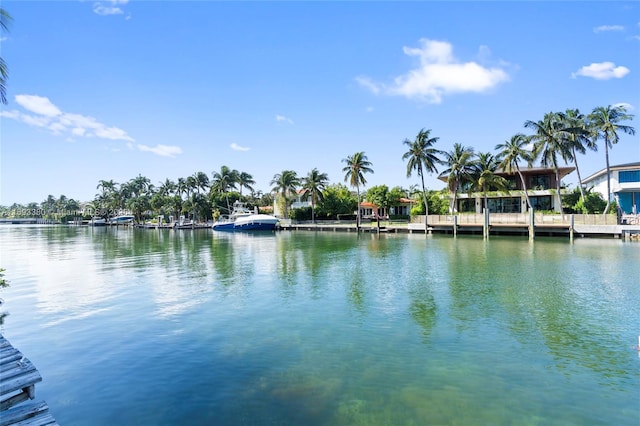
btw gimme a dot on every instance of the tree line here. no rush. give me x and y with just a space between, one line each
558 136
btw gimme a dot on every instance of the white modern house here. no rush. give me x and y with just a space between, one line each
541 189
625 186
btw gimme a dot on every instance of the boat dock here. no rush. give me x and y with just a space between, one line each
533 225
18 377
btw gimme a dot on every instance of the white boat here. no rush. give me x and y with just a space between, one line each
243 219
98 221
118 220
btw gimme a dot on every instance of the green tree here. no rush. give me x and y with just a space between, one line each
336 200
606 123
379 195
285 185
224 181
422 157
484 175
510 153
577 138
5 22
357 165
313 184
245 180
458 172
548 144
201 181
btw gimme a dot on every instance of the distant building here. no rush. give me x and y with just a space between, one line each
541 188
370 210
625 186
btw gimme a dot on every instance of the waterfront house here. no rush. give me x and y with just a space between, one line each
402 207
625 186
540 182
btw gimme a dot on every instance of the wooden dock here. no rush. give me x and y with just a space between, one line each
18 377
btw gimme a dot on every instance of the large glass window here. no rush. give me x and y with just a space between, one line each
629 176
467 205
539 182
504 205
541 203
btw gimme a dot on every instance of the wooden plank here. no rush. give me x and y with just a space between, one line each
23 412
19 382
9 356
16 368
13 400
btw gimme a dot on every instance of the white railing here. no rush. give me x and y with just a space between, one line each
540 219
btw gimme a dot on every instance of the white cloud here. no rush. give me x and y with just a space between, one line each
38 104
44 114
111 7
367 83
283 119
161 150
602 71
603 28
237 147
627 106
369 109
439 74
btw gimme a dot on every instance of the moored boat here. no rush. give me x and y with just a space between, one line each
243 219
120 220
98 221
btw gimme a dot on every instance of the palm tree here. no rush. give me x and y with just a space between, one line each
166 188
201 181
356 167
314 183
458 172
548 144
5 21
605 121
285 184
484 175
224 181
511 152
422 157
108 193
577 139
245 180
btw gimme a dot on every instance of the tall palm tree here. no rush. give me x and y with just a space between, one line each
422 158
606 122
314 183
285 184
356 167
201 181
167 187
577 139
484 175
5 21
109 194
458 171
548 137
245 180
511 152
224 181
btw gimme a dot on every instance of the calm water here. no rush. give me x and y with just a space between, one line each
148 327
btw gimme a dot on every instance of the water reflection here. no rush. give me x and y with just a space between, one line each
326 328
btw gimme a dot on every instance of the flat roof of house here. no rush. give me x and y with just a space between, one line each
617 167
563 171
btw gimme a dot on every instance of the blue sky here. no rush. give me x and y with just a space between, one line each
113 89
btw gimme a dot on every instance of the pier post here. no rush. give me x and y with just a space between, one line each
485 226
532 227
571 226
455 225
